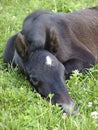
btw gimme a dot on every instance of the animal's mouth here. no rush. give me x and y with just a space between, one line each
69 109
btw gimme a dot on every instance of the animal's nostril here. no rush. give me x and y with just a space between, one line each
60 105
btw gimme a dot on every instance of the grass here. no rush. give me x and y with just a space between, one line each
21 108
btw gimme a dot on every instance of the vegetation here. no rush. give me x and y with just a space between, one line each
21 108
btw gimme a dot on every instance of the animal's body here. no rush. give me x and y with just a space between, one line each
72 38
76 35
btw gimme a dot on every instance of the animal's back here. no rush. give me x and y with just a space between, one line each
84 28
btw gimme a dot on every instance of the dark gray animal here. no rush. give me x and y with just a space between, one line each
46 74
71 37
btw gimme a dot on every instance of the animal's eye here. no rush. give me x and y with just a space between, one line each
30 41
34 81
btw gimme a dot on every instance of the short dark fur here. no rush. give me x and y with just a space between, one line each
72 38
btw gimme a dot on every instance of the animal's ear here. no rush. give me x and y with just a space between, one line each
54 40
21 45
9 49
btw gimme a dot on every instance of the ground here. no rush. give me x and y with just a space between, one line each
21 108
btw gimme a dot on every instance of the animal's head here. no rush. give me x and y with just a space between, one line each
46 74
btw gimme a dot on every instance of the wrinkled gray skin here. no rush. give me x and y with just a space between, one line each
46 74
